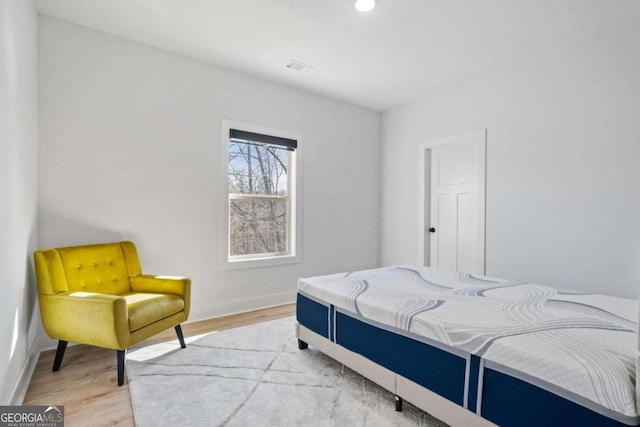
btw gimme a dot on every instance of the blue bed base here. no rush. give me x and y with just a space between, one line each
459 377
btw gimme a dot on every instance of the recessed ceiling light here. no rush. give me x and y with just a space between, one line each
365 5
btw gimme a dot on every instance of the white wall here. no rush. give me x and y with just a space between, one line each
563 165
130 149
18 191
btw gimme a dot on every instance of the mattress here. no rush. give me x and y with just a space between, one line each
582 347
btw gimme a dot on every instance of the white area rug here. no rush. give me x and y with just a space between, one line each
256 376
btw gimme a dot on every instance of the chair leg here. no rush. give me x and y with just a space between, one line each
121 356
180 337
398 404
62 346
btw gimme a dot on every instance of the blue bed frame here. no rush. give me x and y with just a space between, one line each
459 377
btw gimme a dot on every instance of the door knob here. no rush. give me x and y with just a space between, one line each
432 230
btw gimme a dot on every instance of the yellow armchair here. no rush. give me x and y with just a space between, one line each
97 295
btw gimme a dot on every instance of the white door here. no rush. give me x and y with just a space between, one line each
455 227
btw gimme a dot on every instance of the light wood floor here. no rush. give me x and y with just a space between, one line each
86 382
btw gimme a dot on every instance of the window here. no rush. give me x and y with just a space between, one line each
260 184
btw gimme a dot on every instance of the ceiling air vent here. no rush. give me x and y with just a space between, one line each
298 66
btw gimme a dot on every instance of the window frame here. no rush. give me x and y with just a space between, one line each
293 255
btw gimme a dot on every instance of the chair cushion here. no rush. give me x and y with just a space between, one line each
146 308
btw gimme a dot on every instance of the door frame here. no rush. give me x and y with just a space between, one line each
478 137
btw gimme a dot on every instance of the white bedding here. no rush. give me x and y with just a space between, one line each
583 344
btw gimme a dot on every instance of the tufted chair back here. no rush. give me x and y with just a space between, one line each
104 268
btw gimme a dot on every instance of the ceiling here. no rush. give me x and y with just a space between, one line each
401 51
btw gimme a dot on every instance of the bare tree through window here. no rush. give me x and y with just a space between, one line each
258 199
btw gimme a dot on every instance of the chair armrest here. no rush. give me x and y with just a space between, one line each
180 286
84 317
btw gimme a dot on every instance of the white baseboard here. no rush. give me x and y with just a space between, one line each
41 343
44 343
24 379
229 308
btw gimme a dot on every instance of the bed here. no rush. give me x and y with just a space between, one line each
476 350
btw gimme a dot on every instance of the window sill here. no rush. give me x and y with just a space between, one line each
241 264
